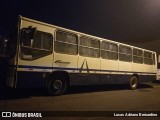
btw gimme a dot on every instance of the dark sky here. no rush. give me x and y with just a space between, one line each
119 20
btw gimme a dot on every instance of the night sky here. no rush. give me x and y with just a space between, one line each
119 20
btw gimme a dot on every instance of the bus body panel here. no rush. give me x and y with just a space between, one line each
137 67
88 65
64 62
125 66
111 65
30 68
149 68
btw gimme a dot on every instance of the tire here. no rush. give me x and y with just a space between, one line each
56 86
133 83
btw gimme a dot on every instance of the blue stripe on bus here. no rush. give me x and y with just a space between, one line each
61 68
43 67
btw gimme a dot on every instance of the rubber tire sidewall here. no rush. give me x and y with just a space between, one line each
130 83
54 92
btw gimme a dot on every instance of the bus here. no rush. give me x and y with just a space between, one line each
45 55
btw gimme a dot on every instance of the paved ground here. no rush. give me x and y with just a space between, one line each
88 98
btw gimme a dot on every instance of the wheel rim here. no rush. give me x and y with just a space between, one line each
134 83
57 84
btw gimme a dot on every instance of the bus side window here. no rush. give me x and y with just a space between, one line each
154 59
109 50
148 58
137 56
89 47
125 53
66 43
38 46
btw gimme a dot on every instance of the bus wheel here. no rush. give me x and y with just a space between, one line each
56 86
133 82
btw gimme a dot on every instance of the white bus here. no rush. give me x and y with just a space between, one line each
45 55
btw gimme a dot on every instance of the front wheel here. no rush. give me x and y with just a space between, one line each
56 86
133 83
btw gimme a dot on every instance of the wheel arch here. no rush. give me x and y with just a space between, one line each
60 74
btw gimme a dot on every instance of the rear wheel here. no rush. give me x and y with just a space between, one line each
133 83
56 86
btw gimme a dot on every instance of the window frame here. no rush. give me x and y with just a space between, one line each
125 53
89 47
32 48
62 42
148 58
138 56
154 58
109 49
